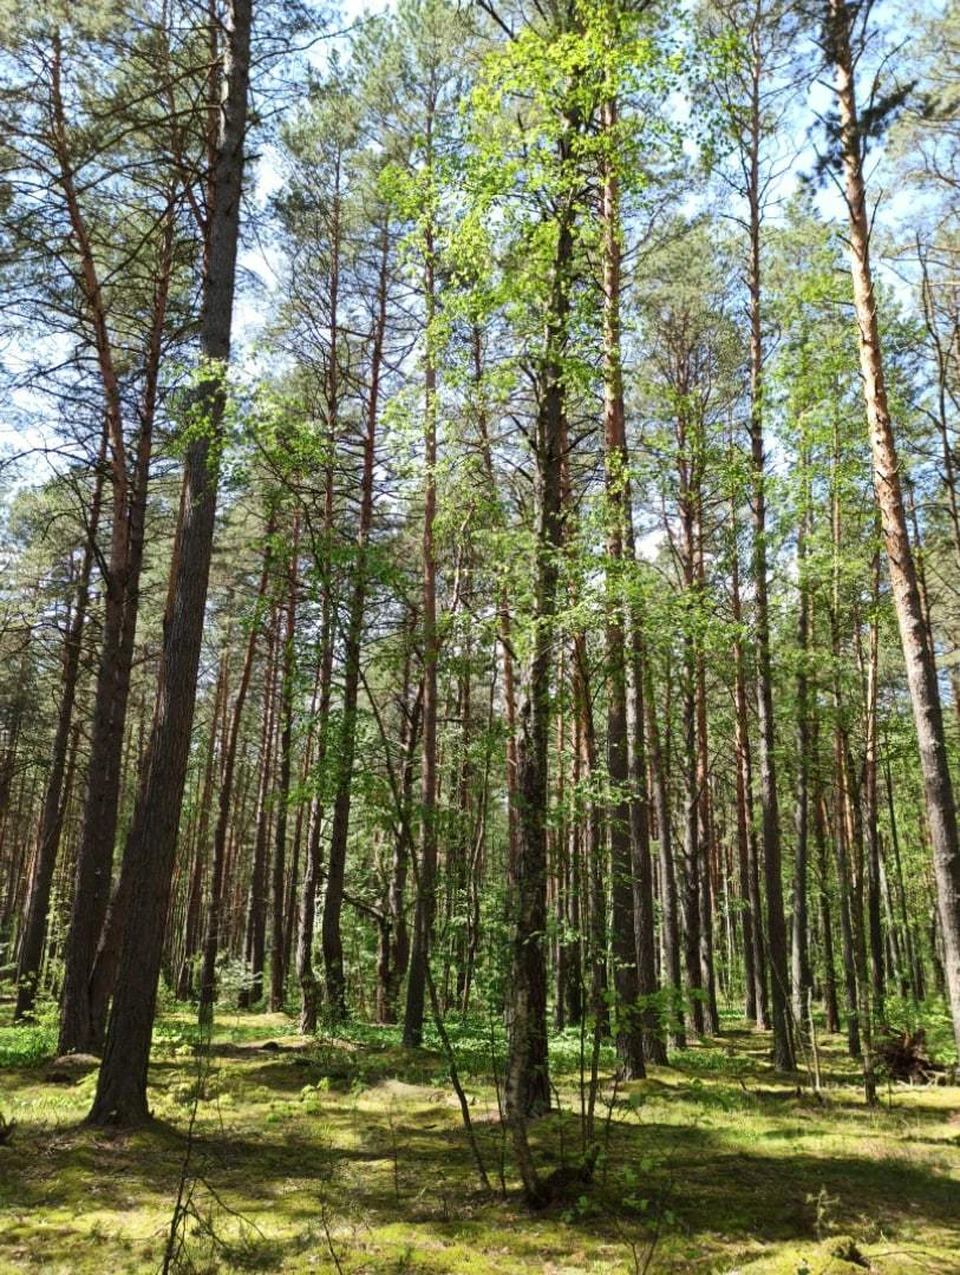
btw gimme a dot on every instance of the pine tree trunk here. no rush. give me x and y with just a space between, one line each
121 1096
211 941
309 988
278 969
669 905
255 948
33 936
426 900
914 632
800 967
334 976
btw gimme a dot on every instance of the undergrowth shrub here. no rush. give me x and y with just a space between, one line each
30 1044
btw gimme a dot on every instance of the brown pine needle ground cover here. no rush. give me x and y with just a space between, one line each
346 1154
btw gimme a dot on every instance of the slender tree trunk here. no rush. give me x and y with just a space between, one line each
278 969
754 959
831 1006
81 1024
426 900
334 977
309 987
706 841
669 905
776 920
914 632
34 933
192 939
526 1081
871 810
211 941
627 816
256 942
800 947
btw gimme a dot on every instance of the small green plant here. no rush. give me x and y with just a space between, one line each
824 1204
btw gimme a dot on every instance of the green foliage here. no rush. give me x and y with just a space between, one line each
30 1044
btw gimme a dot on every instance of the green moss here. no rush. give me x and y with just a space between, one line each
713 1164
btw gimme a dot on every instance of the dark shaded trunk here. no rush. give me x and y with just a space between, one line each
706 840
278 969
669 907
33 935
192 939
754 957
800 957
334 977
309 986
427 874
255 948
211 941
830 1003
526 1080
86 994
870 804
121 1096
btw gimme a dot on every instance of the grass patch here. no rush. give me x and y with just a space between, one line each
347 1151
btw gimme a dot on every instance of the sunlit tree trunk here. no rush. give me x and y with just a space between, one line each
914 633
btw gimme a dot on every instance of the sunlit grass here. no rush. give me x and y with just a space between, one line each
349 1150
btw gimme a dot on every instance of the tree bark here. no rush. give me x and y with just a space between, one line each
278 970
33 936
914 633
526 1080
426 890
334 977
121 1096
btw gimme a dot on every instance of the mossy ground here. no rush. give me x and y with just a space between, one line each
348 1153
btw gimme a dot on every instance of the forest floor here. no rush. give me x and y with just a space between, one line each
346 1154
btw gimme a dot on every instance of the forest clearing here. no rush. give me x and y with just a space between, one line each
346 1154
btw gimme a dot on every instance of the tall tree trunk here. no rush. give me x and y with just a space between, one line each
914 633
627 815
754 957
278 970
426 900
706 841
526 1080
800 956
669 906
334 977
309 987
81 1023
192 939
121 1096
211 941
255 949
830 1003
33 936
688 464
776 920
870 802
